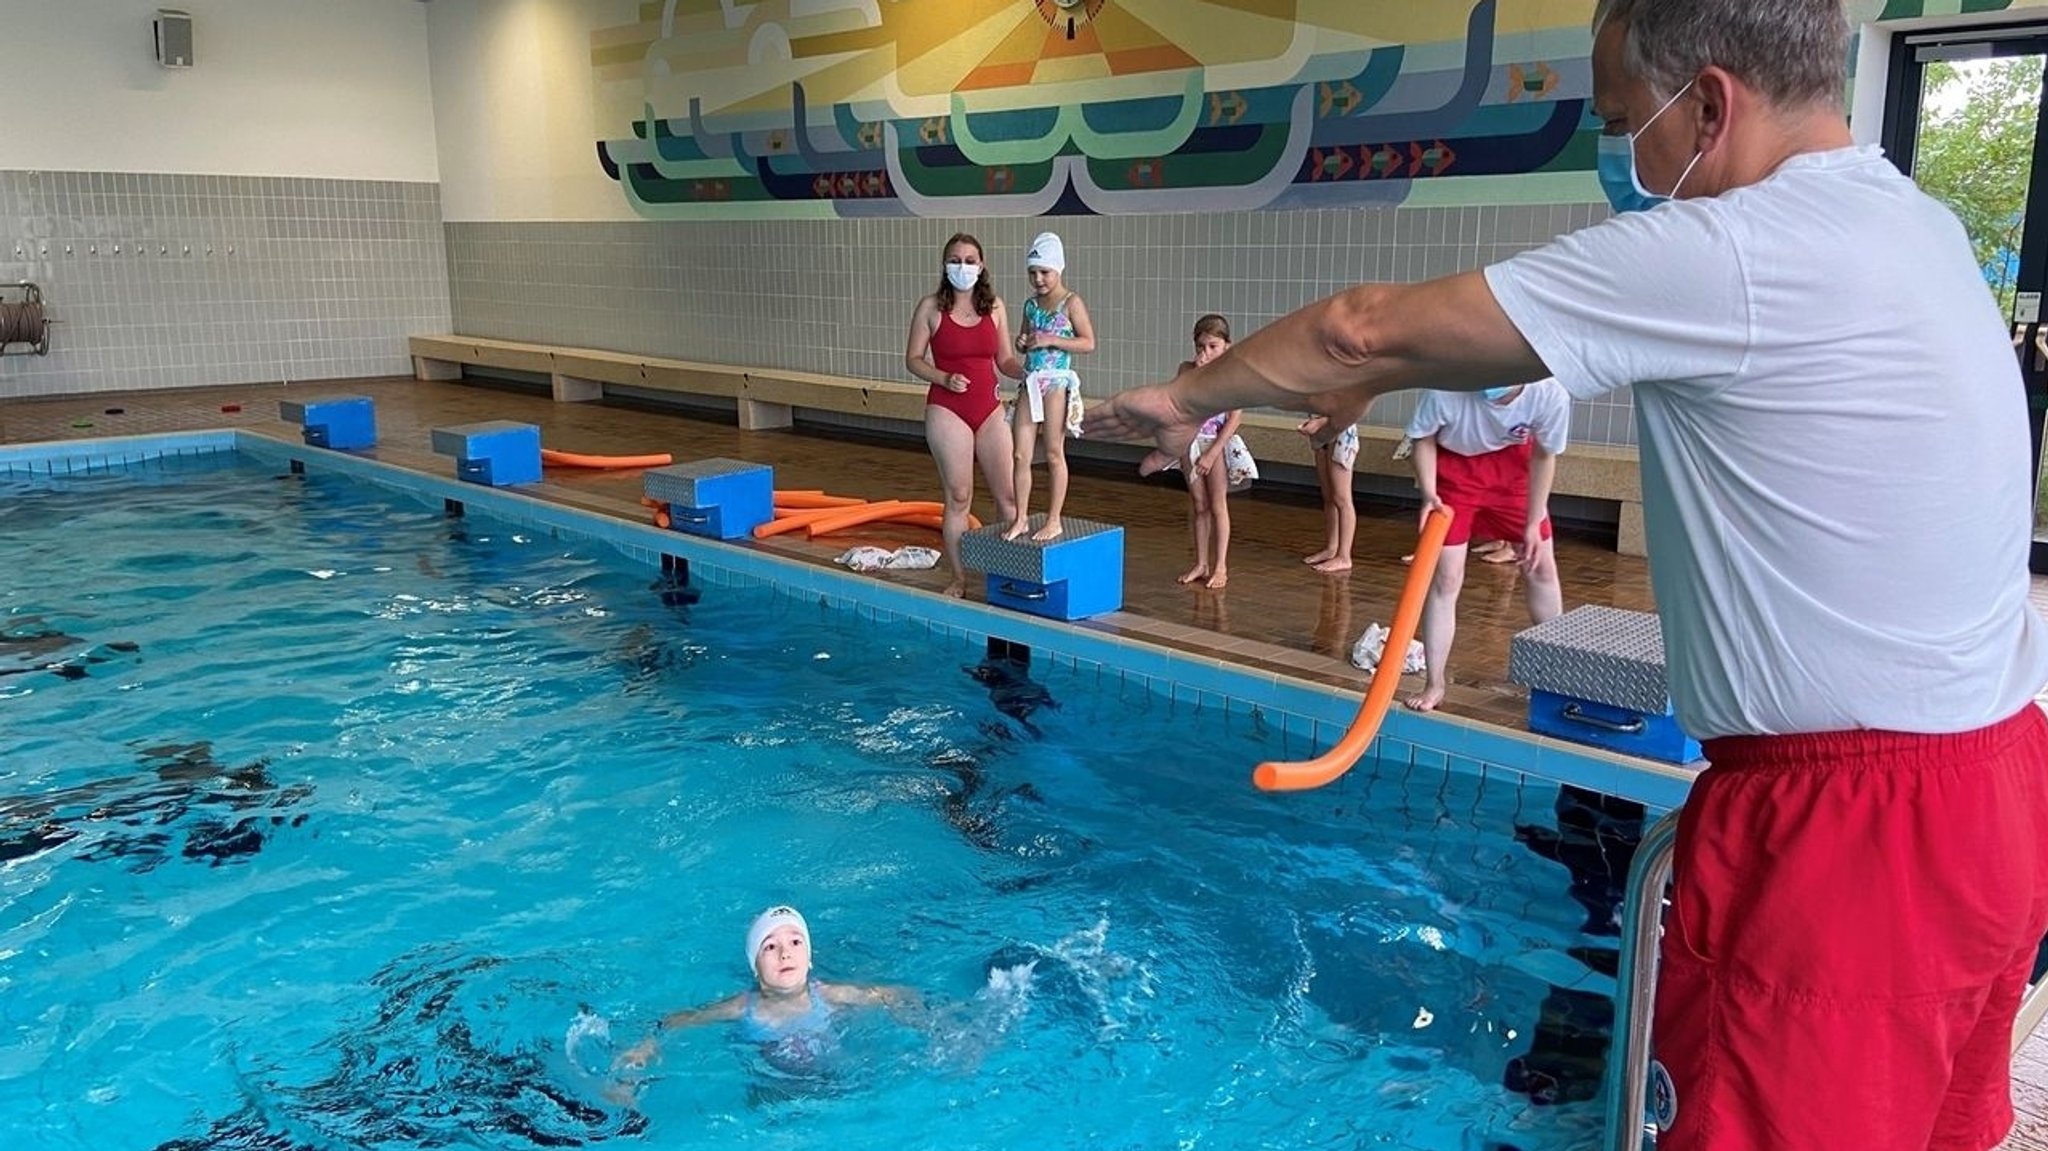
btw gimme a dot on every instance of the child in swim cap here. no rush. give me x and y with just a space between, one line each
789 1013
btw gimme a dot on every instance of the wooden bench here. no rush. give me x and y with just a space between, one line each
768 397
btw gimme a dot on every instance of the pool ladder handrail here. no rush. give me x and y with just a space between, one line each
1635 985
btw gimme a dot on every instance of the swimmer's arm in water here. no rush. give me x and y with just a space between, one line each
723 1011
902 1002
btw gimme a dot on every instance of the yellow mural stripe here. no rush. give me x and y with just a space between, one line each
1072 70
625 54
921 35
1275 9
1121 32
933 62
1084 43
1212 33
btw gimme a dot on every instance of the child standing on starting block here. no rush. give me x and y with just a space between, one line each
1056 329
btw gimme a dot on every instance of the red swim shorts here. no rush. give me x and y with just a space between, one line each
1488 494
1854 918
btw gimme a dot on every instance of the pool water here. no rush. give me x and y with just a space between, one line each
329 820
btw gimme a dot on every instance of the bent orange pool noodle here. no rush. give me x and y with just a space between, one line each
579 460
1386 678
789 521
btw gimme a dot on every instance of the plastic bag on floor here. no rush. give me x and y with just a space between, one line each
868 559
1371 646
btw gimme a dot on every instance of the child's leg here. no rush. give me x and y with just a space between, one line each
1324 461
1338 505
1544 593
1023 438
1198 526
1439 627
1055 431
1218 481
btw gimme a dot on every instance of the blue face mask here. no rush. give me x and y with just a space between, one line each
1617 166
1496 395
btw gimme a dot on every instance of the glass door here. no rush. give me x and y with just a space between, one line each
1963 118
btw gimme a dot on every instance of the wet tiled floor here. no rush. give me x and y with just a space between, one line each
1276 615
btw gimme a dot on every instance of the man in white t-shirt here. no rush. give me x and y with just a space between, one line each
1489 457
1838 500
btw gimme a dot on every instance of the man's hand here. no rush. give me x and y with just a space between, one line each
1138 414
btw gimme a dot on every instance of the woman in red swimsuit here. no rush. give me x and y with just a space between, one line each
957 346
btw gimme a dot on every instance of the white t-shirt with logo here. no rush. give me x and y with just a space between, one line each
1471 425
1834 442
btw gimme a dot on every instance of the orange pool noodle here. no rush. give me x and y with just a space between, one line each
842 518
579 460
811 500
1386 678
789 521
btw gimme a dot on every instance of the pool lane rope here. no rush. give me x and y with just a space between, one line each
1386 677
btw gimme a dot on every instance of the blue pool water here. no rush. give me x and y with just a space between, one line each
330 821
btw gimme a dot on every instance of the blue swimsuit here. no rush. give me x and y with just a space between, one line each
790 1043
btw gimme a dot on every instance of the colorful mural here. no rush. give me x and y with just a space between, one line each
852 108
870 108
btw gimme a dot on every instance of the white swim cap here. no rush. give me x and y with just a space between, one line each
781 915
1047 252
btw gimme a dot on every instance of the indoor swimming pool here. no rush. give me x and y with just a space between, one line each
334 817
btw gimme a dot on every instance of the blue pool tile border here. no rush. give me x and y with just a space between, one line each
1316 713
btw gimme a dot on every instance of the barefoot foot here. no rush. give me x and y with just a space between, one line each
1334 564
1319 557
1197 572
1218 581
1017 529
1051 531
956 589
1426 699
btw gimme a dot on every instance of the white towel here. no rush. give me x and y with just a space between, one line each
867 559
1371 646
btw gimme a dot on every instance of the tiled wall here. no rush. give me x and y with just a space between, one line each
834 296
165 281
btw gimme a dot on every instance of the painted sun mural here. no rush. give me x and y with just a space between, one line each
856 108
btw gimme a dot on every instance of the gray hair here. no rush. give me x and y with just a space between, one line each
1794 52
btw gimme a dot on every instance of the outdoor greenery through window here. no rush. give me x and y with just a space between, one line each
1975 153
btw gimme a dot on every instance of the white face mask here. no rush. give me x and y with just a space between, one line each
963 277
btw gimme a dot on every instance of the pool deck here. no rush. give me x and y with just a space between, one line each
1276 615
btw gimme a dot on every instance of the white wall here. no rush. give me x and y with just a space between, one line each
514 109
314 88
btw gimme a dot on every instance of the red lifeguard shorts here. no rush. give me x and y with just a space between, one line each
1854 918
1488 494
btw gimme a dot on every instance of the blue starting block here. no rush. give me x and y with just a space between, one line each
1073 577
1596 675
493 453
721 498
340 422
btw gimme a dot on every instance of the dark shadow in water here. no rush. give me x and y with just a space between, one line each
28 643
1012 690
416 1075
222 813
1595 839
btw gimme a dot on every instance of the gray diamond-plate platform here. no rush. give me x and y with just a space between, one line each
453 440
677 483
1603 654
985 550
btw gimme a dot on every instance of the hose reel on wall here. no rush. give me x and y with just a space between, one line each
23 326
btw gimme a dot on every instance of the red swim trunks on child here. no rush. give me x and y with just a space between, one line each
1488 494
1854 919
